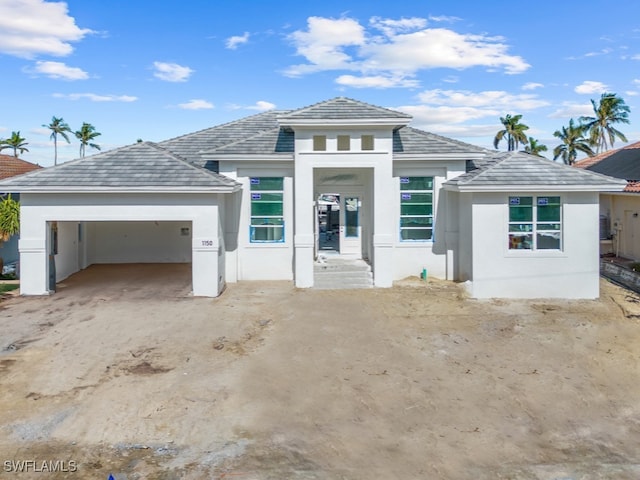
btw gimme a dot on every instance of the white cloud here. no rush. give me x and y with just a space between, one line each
444 18
196 104
34 27
532 86
233 42
636 81
451 79
635 57
604 51
96 98
171 72
492 100
262 105
375 81
631 93
589 86
344 44
572 110
58 70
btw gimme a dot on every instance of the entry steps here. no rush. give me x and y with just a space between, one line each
333 272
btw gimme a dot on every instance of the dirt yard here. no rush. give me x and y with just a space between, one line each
122 373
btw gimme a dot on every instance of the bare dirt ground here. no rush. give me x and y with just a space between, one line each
122 373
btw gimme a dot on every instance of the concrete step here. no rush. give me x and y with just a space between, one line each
342 273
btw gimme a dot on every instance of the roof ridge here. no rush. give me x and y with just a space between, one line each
334 99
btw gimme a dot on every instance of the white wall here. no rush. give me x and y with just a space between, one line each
570 273
621 209
198 210
138 242
67 257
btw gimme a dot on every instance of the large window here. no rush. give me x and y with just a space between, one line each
535 223
416 208
267 213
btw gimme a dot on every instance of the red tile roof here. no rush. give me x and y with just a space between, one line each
11 166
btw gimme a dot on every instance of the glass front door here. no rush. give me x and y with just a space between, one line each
350 225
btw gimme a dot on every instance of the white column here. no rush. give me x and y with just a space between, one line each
384 227
303 239
34 278
205 250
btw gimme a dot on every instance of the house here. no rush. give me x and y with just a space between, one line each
620 225
239 202
11 166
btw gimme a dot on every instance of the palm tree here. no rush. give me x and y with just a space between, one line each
609 111
513 131
57 127
9 221
87 133
16 142
534 148
573 141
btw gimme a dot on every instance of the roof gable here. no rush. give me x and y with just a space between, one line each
141 166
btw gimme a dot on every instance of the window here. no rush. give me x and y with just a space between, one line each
416 208
366 142
535 223
267 214
344 143
319 143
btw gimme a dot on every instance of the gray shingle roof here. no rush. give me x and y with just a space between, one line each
275 141
139 166
342 108
520 170
410 140
621 163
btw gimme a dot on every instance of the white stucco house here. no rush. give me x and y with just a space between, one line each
239 202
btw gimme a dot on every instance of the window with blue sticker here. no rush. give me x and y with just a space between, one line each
267 209
535 223
416 208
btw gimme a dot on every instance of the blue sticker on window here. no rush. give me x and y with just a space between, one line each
256 196
404 179
514 201
543 201
406 196
255 181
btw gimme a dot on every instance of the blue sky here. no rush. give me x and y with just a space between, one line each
136 69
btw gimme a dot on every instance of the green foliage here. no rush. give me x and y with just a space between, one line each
16 142
86 134
573 141
610 110
9 218
534 148
7 287
513 132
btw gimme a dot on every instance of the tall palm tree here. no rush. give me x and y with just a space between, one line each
573 141
513 131
58 127
534 148
610 110
16 142
87 133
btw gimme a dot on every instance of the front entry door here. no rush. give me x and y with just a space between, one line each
350 225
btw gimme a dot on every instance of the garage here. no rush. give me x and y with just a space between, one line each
135 205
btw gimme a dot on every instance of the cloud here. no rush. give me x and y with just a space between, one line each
589 86
572 110
260 105
58 70
233 42
171 72
444 18
451 79
196 104
492 100
632 93
404 48
96 98
36 27
532 86
376 81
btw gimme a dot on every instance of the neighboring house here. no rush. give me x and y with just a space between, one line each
620 224
11 166
239 201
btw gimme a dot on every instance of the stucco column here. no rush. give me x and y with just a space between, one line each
384 228
205 269
34 278
303 239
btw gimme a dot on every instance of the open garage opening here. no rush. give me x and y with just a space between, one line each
75 246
